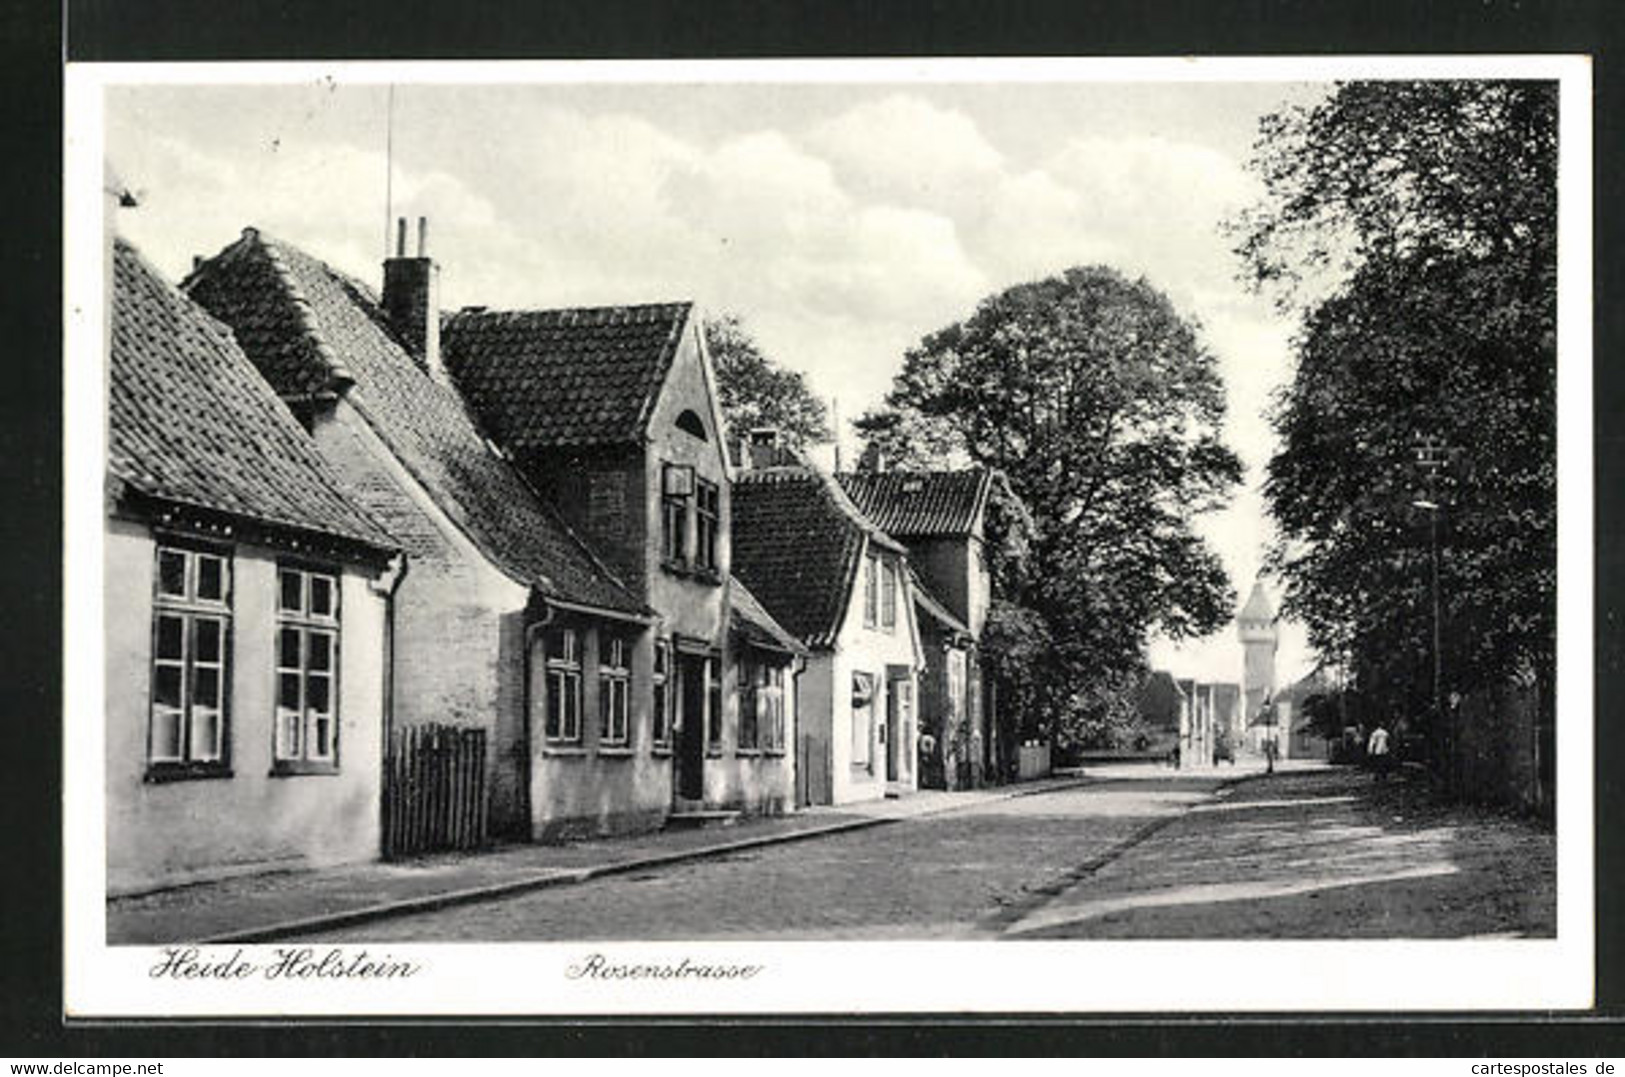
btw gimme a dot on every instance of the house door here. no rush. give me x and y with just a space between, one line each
690 783
898 728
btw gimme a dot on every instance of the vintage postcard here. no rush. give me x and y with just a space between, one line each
959 536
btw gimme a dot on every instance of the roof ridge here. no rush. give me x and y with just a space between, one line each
303 309
479 311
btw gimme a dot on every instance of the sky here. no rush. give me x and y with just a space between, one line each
841 221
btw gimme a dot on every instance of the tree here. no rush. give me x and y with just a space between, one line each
1412 227
756 392
1102 407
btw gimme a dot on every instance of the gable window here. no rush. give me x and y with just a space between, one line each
614 682
191 629
661 708
863 721
563 721
888 595
707 520
690 423
676 487
713 702
306 668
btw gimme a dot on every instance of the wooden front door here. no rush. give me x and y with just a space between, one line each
690 784
894 706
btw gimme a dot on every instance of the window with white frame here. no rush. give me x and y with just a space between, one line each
871 597
888 595
770 707
707 522
191 629
863 720
614 685
676 488
660 709
306 667
746 695
563 663
713 702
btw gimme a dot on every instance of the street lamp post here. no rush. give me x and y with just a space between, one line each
1430 455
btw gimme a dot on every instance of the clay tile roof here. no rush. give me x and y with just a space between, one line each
308 326
917 504
796 543
193 425
751 621
582 376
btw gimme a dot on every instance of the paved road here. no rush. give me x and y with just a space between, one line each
968 873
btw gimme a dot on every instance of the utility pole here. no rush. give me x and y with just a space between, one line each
1429 456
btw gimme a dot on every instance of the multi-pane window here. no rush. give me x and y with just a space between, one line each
614 685
306 666
746 690
676 487
563 663
707 522
770 707
713 701
191 630
888 595
661 681
863 701
871 597
761 706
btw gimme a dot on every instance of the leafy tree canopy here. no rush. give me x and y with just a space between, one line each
1428 209
756 392
1103 408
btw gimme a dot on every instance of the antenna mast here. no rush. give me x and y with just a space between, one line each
835 403
389 166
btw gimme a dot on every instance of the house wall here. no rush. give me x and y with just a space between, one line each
592 788
872 651
754 781
814 757
458 624
955 761
955 569
173 832
688 604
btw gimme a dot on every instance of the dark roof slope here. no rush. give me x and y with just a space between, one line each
750 619
193 424
934 606
917 504
546 378
796 543
308 326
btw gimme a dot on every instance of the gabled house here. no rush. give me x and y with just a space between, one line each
940 517
840 586
506 623
611 415
246 611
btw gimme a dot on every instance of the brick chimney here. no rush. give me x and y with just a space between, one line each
412 300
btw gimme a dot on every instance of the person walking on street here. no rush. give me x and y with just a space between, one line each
1377 750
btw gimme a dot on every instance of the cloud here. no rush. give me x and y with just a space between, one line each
907 151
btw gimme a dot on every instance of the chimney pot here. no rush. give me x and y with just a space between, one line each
400 237
423 237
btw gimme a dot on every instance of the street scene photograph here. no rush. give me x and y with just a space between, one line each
732 508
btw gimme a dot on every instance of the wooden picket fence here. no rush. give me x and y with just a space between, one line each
434 790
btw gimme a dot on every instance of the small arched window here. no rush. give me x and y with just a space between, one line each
690 423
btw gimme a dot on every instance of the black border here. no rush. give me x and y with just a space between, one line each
35 42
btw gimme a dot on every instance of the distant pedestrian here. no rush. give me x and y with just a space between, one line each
1377 751
1270 749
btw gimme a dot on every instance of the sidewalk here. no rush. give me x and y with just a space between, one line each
259 908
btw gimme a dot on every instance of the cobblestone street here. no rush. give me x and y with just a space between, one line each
959 874
1323 853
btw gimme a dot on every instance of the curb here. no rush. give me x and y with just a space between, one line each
572 876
